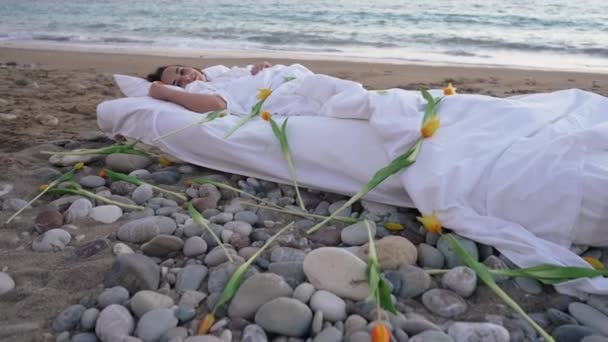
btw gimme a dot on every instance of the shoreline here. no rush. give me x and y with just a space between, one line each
179 52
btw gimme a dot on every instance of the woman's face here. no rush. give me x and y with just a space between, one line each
181 75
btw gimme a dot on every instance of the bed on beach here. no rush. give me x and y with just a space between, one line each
521 174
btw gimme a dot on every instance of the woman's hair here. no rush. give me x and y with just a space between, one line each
155 76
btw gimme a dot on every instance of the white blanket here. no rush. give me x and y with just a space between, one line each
521 174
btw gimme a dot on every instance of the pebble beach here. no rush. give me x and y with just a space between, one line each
77 269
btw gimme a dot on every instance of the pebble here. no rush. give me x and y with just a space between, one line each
190 277
142 193
123 162
337 271
205 338
414 281
462 280
5 188
317 322
329 334
392 252
217 256
79 209
221 218
435 336
451 258
120 248
304 292
468 331
328 236
378 209
255 292
246 216
92 181
599 302
134 272
333 307
336 205
13 204
47 120
106 213
113 323
114 295
356 234
529 285
221 274
444 303
144 301
48 219
192 298
185 313
195 246
558 317
287 254
360 336
155 323
292 272
162 245
7 283
58 160
166 177
52 240
254 333
430 257
589 316
89 318
496 263
68 319
84 337
208 197
285 316
144 229
595 338
240 227
569 333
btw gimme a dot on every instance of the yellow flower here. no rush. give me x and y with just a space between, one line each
206 324
393 226
594 263
43 187
380 333
164 161
264 93
431 223
265 115
102 173
449 90
430 126
78 166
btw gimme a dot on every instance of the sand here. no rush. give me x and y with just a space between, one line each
50 96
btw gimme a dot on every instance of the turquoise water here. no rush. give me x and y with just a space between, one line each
550 33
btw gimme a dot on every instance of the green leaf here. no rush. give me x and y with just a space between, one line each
554 274
117 176
385 297
255 111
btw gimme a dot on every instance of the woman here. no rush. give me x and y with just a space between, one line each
182 76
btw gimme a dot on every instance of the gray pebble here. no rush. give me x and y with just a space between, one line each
68 319
444 303
114 295
462 280
92 181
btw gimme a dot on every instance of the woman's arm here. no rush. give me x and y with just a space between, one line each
200 103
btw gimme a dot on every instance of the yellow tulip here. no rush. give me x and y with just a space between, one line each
393 226
78 166
265 115
164 161
594 263
430 126
380 333
206 324
449 90
431 223
43 187
264 93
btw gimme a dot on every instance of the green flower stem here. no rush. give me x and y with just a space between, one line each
212 116
350 202
118 176
298 213
169 192
255 111
201 221
228 187
91 195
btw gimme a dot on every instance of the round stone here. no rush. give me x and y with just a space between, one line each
332 306
589 316
89 318
190 277
52 240
360 336
113 323
430 257
79 209
329 334
246 216
461 280
195 246
92 181
356 234
106 213
162 245
68 319
120 248
435 336
255 292
114 295
444 303
414 281
240 227
337 205
287 254
124 162
529 285
570 332
558 317
392 252
303 292
254 333
144 301
142 193
49 218
285 316
467 331
134 272
144 229
7 283
337 271
208 197
155 323
451 258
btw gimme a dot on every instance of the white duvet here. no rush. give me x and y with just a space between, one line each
527 175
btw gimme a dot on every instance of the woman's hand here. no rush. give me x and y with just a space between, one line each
160 91
259 67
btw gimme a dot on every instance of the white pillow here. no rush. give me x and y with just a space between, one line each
132 86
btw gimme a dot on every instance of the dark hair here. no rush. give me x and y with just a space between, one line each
155 76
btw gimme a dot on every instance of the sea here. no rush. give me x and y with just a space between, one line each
546 34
